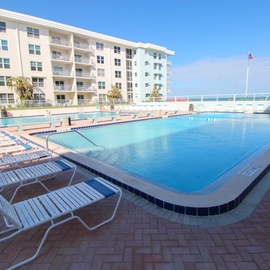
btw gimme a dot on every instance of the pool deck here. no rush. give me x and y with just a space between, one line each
145 236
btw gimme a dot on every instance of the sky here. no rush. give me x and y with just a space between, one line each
211 38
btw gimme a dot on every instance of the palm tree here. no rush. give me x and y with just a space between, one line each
114 94
155 95
23 86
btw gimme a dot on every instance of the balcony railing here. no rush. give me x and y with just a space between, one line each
84 60
61 72
82 45
169 72
86 88
82 74
66 87
169 82
60 57
169 63
60 41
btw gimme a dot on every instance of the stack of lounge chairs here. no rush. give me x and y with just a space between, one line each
20 166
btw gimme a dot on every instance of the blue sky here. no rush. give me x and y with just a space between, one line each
211 38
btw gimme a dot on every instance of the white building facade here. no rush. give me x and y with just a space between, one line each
68 64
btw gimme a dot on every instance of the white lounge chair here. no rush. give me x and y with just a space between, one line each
11 142
17 148
49 207
35 174
8 161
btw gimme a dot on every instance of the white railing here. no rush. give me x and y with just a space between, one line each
60 41
60 57
81 45
221 97
82 60
61 72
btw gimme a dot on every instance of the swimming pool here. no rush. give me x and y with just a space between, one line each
9 121
186 154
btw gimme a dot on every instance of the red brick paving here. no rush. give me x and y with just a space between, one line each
137 239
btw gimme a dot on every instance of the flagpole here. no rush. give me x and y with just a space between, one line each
247 75
250 56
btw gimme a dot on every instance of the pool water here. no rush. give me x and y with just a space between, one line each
184 154
56 117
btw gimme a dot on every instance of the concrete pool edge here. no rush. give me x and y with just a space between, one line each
220 201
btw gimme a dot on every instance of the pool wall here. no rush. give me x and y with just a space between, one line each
219 201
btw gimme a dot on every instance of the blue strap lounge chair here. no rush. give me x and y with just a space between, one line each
49 207
19 148
8 161
35 174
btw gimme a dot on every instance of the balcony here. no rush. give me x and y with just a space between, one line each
169 90
82 45
82 74
169 82
169 63
60 41
66 87
65 73
86 88
169 72
60 57
83 60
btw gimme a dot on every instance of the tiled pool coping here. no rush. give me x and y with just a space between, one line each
219 201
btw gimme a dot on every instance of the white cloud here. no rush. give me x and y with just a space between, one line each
221 76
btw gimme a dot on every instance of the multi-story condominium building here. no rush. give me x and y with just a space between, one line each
69 64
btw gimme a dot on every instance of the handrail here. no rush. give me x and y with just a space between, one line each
68 131
80 109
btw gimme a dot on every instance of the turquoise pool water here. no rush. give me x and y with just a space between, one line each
185 153
57 117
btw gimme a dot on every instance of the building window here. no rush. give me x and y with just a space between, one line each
32 32
57 70
101 85
155 66
36 66
117 62
101 72
129 76
3 45
155 55
135 74
147 84
3 27
100 59
99 46
117 74
118 85
102 97
80 99
135 63
59 85
7 98
159 56
38 82
146 63
117 49
34 49
3 80
136 85
4 63
147 74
